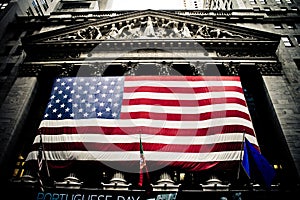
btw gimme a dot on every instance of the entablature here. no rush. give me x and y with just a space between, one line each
161 68
148 29
150 37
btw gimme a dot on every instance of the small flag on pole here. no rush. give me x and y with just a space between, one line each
257 166
142 165
40 164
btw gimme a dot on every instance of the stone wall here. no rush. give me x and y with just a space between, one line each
13 113
287 112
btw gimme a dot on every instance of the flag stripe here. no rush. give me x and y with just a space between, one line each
133 82
184 79
183 110
186 117
190 102
179 89
135 156
90 146
180 97
154 139
147 122
153 131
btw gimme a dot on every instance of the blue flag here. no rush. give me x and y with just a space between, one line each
257 166
245 161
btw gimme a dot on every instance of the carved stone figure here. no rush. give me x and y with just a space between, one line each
113 32
202 32
149 30
175 33
150 27
132 32
218 33
186 33
161 29
91 32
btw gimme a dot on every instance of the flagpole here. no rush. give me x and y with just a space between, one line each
240 161
46 162
143 164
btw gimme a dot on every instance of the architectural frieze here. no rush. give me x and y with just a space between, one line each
194 68
150 27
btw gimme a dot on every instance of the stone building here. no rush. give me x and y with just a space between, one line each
255 40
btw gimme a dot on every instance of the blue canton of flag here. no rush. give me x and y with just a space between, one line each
79 98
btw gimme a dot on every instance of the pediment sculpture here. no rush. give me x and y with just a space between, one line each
149 27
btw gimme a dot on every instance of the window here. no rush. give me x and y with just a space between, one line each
283 9
294 9
277 26
45 4
289 1
252 2
291 25
262 1
196 4
37 7
74 5
278 1
286 41
3 6
297 61
29 12
297 38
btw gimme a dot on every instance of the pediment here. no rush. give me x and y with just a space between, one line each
150 25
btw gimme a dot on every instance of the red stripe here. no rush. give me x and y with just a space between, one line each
187 103
182 78
187 117
89 146
147 130
185 90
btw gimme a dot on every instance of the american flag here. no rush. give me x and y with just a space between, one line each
187 122
143 166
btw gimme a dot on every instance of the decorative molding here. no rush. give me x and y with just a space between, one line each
198 68
245 54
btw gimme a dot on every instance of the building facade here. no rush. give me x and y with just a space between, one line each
255 40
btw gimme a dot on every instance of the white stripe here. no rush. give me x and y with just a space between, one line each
180 84
185 110
162 139
135 156
147 122
182 96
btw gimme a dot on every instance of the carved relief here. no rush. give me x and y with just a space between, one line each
92 32
244 54
164 68
150 27
231 69
269 68
130 68
198 68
